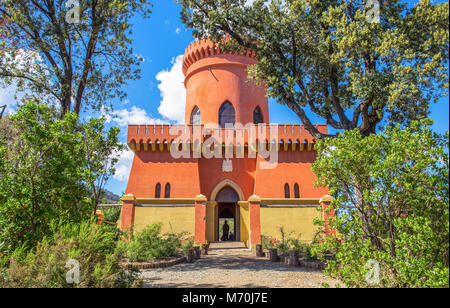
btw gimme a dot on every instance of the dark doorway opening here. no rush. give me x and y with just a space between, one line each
227 214
228 211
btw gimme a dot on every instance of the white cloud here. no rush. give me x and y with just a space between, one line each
172 91
22 60
8 97
123 166
177 31
135 115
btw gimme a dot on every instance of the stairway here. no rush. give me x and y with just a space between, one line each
226 245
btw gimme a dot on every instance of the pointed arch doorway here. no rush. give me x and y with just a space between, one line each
227 197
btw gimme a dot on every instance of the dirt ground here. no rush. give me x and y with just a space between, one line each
234 268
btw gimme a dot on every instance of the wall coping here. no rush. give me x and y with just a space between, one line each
326 198
165 201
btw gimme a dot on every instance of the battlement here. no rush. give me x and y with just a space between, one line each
160 137
202 49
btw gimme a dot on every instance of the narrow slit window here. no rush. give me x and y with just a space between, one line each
287 192
167 191
296 191
158 191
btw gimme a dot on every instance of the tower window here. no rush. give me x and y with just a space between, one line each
296 191
167 191
227 114
257 116
196 116
287 191
158 191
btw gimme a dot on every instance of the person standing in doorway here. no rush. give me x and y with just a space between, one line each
225 230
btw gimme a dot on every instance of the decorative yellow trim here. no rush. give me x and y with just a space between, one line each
165 200
286 145
302 146
242 203
128 197
212 203
226 183
310 146
132 146
201 198
289 201
293 146
326 198
254 198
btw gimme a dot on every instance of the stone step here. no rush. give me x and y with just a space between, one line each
227 245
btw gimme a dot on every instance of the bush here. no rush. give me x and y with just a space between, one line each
288 242
149 244
45 267
391 198
186 245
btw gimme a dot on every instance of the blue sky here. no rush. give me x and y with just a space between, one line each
158 97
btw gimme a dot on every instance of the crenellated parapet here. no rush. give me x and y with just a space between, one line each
205 53
160 137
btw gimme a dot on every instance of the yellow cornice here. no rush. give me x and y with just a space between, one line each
128 197
165 200
290 200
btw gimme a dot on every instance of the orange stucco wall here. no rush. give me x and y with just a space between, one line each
213 77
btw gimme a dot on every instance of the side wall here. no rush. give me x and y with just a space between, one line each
296 219
174 219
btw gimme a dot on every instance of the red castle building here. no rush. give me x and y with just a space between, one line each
266 184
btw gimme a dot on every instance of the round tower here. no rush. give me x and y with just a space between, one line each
217 89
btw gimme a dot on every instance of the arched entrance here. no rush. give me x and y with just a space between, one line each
228 213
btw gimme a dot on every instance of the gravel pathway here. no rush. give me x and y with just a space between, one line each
234 268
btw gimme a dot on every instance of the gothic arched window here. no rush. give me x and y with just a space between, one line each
287 191
196 116
296 191
257 116
227 115
158 191
167 191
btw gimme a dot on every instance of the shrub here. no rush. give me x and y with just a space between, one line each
267 242
149 244
391 198
45 267
186 245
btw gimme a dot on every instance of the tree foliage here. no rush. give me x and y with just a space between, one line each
396 186
49 168
330 58
45 50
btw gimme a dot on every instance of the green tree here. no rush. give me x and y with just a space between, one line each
75 64
392 196
329 57
49 169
